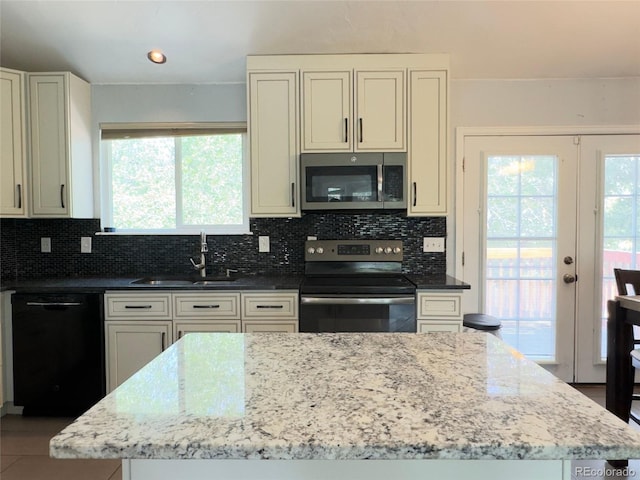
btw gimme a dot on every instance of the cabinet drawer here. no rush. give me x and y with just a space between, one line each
207 305
156 306
439 305
270 305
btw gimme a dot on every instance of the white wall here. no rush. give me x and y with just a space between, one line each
557 102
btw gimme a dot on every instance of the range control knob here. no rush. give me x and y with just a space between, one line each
397 250
320 250
379 249
388 250
311 250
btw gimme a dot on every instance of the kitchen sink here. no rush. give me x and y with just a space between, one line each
169 281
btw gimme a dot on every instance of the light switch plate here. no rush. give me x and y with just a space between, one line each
85 244
432 244
263 244
45 244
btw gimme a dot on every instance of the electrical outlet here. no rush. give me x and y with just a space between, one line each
433 244
85 244
263 244
45 244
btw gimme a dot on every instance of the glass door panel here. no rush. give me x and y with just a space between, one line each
520 251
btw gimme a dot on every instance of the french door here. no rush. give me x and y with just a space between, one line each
541 215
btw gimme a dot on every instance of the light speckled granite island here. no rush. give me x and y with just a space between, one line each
345 406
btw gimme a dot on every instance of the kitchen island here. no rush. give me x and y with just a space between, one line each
317 406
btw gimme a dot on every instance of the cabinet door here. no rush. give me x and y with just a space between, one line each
380 111
273 133
427 153
12 147
269 326
49 149
225 326
327 111
132 345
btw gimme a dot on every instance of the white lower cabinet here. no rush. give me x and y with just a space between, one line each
181 328
270 326
131 345
270 311
139 326
439 311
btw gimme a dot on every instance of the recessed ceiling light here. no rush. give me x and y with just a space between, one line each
156 56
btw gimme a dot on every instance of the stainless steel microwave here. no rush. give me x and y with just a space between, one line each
337 181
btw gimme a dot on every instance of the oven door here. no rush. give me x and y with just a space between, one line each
361 313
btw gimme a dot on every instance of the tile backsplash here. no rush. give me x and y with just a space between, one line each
139 255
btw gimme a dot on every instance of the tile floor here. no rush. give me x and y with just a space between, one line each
24 449
24 445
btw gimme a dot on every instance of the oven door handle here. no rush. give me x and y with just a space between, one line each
357 300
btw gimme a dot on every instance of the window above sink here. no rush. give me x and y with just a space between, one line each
174 178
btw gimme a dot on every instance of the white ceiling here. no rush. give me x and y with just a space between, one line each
106 42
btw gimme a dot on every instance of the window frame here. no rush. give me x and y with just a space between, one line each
171 129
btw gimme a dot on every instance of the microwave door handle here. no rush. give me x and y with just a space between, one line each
380 178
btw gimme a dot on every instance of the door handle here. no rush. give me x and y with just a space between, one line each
568 278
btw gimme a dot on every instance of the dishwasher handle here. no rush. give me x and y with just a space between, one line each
54 304
341 300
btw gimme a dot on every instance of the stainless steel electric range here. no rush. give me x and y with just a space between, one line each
356 286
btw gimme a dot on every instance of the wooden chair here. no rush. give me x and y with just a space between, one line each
628 283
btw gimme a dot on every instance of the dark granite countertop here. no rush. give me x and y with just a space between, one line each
437 282
101 284
251 282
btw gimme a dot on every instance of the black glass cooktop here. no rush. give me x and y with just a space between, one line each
360 284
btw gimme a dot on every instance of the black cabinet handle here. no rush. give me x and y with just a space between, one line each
138 306
270 306
164 337
62 195
293 194
360 121
346 130
414 193
19 196
206 306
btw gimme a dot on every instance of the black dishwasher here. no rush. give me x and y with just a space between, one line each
58 353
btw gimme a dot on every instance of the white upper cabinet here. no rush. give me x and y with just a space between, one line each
380 111
13 185
273 140
340 116
427 155
61 161
347 103
327 111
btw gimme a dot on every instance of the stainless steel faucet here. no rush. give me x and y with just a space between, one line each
204 249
